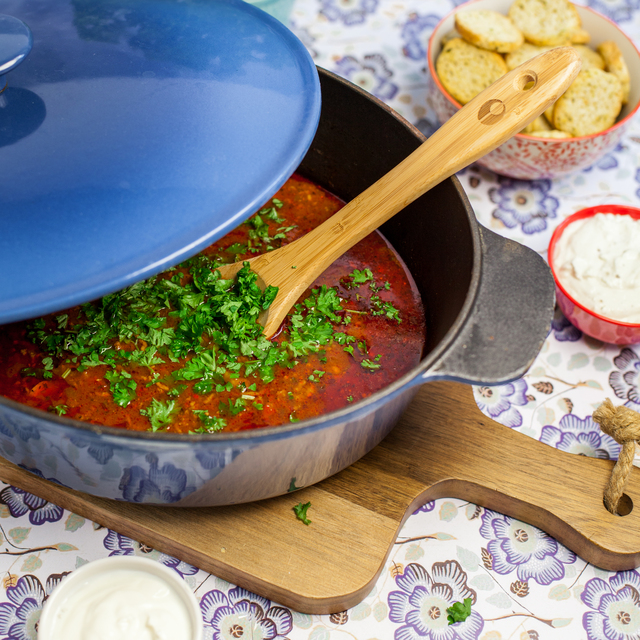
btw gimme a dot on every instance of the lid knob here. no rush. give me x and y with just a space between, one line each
15 43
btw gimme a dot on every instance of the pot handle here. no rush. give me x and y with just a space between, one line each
509 319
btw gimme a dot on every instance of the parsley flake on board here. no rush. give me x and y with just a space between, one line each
301 512
459 611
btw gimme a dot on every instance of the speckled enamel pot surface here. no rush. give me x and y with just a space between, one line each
528 157
488 302
585 319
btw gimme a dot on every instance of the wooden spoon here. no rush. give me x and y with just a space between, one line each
491 118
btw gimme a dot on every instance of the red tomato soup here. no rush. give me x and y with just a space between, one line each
156 356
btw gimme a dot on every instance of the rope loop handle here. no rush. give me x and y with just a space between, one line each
623 425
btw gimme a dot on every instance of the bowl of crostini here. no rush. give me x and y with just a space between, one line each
482 40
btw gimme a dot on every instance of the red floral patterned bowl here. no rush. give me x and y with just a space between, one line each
583 318
528 157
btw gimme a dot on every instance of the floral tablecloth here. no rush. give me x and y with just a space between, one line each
524 585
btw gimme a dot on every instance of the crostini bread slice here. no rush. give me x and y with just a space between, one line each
538 125
553 133
546 22
522 54
614 63
465 70
590 105
589 57
489 30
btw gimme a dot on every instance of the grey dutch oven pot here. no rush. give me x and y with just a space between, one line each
488 301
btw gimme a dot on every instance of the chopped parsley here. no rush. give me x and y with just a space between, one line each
48 368
60 409
359 277
233 407
210 424
122 387
459 611
379 308
188 331
301 512
160 413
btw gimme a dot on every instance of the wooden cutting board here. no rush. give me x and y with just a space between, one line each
442 447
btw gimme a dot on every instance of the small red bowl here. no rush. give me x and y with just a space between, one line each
588 321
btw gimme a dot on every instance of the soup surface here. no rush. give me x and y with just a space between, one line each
182 352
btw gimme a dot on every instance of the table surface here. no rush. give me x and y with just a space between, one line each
525 585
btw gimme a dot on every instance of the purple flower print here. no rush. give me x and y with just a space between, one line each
563 330
16 427
420 607
20 503
425 508
608 161
415 33
349 12
625 382
616 10
372 75
616 607
241 614
583 437
500 402
524 202
120 545
157 484
19 617
637 178
99 451
530 552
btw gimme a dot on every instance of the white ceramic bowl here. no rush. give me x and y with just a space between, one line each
120 591
581 316
528 157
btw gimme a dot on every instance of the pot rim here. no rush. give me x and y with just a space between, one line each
350 412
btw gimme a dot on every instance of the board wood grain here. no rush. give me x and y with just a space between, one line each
442 447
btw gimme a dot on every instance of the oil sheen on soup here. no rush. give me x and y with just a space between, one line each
182 352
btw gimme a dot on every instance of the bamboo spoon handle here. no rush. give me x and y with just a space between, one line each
491 118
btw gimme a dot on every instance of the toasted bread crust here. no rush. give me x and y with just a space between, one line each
553 133
489 30
546 22
465 70
614 63
580 36
538 125
589 57
523 53
590 105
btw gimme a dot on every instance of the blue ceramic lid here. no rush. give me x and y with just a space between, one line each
134 134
